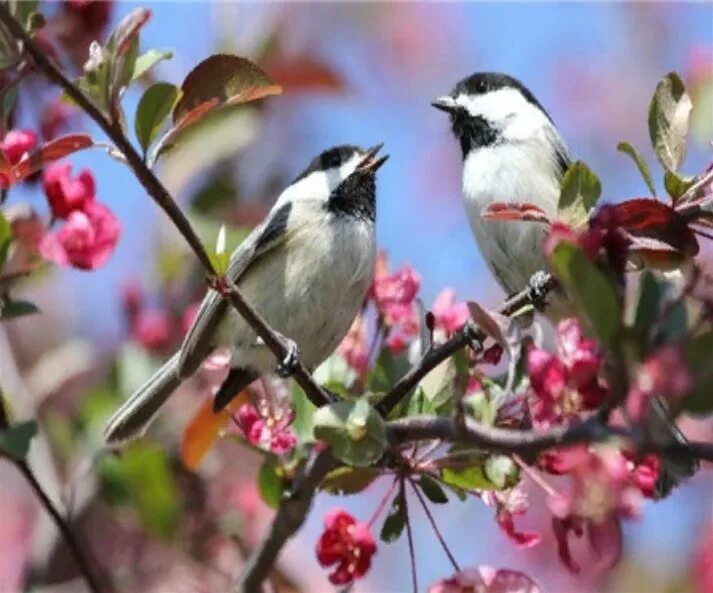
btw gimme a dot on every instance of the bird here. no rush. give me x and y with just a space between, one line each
306 269
513 152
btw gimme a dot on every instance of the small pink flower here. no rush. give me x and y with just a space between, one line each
353 346
394 294
449 315
510 503
268 428
346 544
152 329
485 579
65 194
86 241
17 143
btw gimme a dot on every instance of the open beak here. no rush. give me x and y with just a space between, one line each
446 104
371 162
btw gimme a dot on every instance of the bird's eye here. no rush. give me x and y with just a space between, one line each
481 86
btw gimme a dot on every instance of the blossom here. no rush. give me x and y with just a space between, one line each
86 241
16 143
449 315
346 544
64 194
567 383
394 294
152 328
353 346
268 428
485 579
664 373
605 539
509 503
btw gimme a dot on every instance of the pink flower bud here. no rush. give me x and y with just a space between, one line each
16 143
64 194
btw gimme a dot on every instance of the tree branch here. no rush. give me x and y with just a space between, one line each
83 563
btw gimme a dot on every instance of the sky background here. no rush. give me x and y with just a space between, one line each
593 66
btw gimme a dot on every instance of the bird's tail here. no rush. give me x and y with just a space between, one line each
134 416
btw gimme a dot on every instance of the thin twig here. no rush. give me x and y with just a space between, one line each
434 526
409 535
70 539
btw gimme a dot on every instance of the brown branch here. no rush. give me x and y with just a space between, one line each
70 539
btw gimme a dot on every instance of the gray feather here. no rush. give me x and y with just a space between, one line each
132 418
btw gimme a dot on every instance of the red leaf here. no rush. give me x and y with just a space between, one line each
514 211
652 219
128 28
304 73
50 151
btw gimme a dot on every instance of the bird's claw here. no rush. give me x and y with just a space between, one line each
288 365
537 289
473 335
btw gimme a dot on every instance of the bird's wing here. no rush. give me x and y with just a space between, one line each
200 337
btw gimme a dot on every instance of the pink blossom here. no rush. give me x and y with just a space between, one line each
267 428
17 143
664 373
510 503
346 544
152 329
605 540
485 579
353 346
86 241
394 294
66 194
449 315
567 383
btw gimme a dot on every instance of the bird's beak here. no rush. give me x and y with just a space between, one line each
447 104
370 162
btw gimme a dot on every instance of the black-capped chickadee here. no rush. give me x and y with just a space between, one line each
306 269
512 152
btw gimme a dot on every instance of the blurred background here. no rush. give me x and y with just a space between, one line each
354 73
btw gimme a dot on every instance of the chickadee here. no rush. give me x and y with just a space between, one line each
306 269
512 152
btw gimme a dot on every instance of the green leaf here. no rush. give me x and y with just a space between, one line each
669 115
95 80
303 424
698 358
396 519
142 476
14 309
579 194
592 292
154 107
349 480
15 439
146 61
432 489
676 185
355 431
5 239
269 483
467 478
23 10
641 163
651 295
438 385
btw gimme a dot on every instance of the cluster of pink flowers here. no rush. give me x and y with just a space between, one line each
394 295
346 544
267 427
568 383
16 144
485 579
607 485
91 231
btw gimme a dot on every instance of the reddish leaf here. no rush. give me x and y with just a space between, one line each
514 211
204 428
305 73
652 219
50 151
222 79
128 28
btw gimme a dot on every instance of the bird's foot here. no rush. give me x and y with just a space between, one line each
537 289
474 335
288 365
